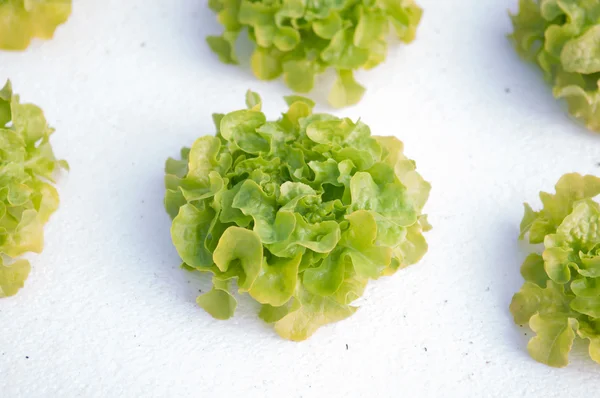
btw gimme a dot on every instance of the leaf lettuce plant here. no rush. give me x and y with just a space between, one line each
561 37
300 213
300 39
560 299
27 196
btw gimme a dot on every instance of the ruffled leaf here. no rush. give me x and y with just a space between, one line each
555 335
12 277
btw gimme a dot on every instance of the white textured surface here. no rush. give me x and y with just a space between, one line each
107 313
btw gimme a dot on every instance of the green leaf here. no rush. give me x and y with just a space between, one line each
266 64
241 250
299 75
556 264
313 313
224 47
271 314
369 260
253 101
218 302
582 55
286 38
276 282
292 99
189 231
587 305
555 335
387 199
325 279
345 91
533 270
533 299
342 53
5 102
328 27
372 26
13 276
587 332
240 127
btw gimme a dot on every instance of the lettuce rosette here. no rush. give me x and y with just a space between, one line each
561 296
27 197
300 213
23 20
562 37
300 39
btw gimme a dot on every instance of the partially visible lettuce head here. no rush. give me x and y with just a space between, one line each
300 212
562 37
300 39
27 197
561 295
23 20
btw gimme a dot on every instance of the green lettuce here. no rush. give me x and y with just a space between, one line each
27 196
299 212
562 36
23 20
561 295
300 39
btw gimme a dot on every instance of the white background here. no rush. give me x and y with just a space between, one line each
107 312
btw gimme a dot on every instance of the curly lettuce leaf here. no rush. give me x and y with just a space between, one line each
301 39
13 276
300 212
23 20
562 38
560 299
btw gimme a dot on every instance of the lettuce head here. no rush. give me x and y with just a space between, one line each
27 196
562 36
299 213
300 39
560 299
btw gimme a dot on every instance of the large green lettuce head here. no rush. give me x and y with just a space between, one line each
27 197
562 37
302 38
561 295
23 20
299 212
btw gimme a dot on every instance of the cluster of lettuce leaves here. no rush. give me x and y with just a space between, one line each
562 37
302 38
561 295
27 197
300 212
23 20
